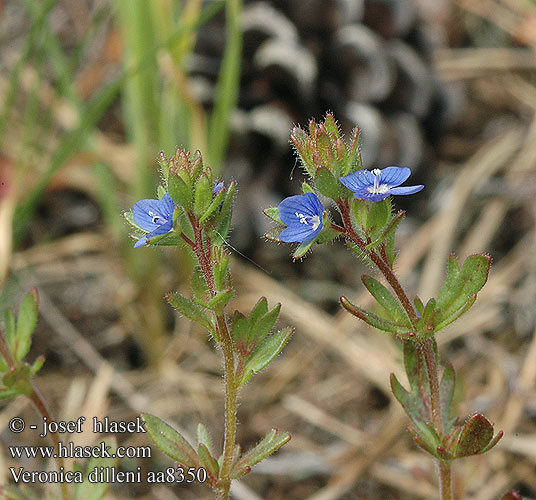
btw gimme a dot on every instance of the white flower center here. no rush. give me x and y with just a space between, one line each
308 220
156 218
378 188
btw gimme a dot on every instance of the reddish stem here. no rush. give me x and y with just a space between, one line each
226 342
391 278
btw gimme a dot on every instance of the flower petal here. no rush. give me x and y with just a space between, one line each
142 241
316 208
406 189
303 216
358 180
368 196
295 233
218 186
394 176
301 203
167 206
150 214
161 229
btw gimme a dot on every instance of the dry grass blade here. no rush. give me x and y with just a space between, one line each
359 352
389 431
458 64
320 418
489 159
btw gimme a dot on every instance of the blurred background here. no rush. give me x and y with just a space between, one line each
92 90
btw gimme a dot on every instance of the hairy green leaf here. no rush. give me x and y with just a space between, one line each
189 309
170 441
387 300
264 354
268 445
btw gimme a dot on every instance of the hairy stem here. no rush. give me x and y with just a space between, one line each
39 402
445 480
427 350
226 342
390 276
444 466
230 404
426 347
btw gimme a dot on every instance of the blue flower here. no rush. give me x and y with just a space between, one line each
302 215
376 185
218 186
153 216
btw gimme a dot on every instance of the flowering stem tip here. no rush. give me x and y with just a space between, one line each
154 216
376 185
302 214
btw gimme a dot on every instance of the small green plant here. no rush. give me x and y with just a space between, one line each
17 379
368 229
194 210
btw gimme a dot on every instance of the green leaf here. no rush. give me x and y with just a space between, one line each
415 367
387 235
37 364
6 393
273 235
10 327
422 443
208 461
419 305
429 308
414 409
328 233
378 214
454 316
477 433
265 354
163 240
327 184
303 248
240 328
180 192
184 222
223 219
221 270
214 205
259 328
268 445
273 213
387 300
95 490
258 311
446 395
160 191
360 212
456 294
203 195
306 188
331 126
375 320
199 284
26 321
19 379
220 300
189 309
354 156
170 441
204 437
